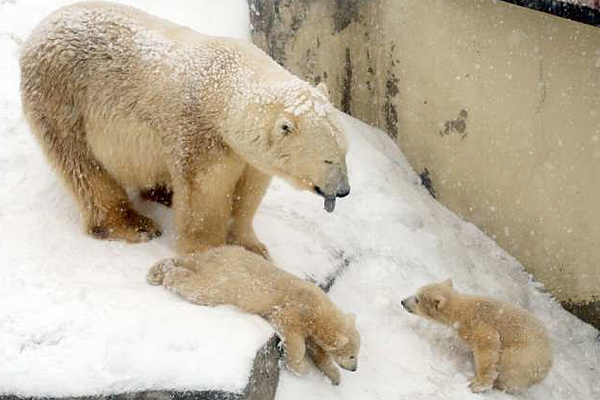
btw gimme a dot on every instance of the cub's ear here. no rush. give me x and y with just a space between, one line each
448 283
351 317
341 340
322 88
439 301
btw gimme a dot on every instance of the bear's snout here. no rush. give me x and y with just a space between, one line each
345 191
341 192
350 367
407 304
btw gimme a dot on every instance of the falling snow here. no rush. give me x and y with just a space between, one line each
77 316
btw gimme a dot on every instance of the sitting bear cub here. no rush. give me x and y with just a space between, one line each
511 348
300 312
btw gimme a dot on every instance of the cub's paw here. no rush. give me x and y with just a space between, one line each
333 373
478 386
156 273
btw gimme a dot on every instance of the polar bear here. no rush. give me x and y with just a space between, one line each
511 347
306 319
119 98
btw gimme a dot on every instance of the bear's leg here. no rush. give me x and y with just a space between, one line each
486 353
104 203
323 361
295 351
202 204
249 192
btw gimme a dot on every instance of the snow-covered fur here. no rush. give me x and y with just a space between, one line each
300 311
511 347
119 98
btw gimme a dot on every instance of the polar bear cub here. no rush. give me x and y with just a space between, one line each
300 311
511 347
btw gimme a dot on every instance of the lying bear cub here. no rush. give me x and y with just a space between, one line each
301 313
511 348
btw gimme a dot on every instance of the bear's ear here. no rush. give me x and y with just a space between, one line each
341 340
284 126
448 283
322 88
438 301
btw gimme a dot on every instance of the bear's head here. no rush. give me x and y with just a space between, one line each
343 343
288 129
431 301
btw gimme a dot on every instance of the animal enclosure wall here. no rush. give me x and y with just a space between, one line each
499 103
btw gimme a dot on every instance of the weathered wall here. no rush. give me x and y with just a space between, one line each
501 105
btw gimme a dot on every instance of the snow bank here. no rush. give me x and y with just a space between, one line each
77 317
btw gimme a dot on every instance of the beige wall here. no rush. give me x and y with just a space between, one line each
501 104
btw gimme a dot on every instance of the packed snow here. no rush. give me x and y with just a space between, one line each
78 318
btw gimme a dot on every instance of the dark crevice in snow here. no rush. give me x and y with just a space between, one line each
427 182
343 262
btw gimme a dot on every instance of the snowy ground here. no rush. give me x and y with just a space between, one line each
77 317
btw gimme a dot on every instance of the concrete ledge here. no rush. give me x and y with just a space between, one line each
262 384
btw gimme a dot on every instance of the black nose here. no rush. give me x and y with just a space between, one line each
403 302
343 193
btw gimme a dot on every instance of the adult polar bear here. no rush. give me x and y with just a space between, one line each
119 98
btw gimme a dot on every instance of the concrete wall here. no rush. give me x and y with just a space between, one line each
501 104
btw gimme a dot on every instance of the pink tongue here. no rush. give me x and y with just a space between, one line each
329 204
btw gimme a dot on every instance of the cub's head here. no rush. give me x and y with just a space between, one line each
431 301
290 132
346 344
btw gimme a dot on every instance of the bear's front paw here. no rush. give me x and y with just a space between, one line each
259 249
478 386
253 245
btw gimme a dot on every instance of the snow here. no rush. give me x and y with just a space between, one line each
78 318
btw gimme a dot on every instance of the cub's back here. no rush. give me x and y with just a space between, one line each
234 275
516 326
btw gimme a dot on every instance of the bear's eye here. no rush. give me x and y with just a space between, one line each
416 300
352 357
286 128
